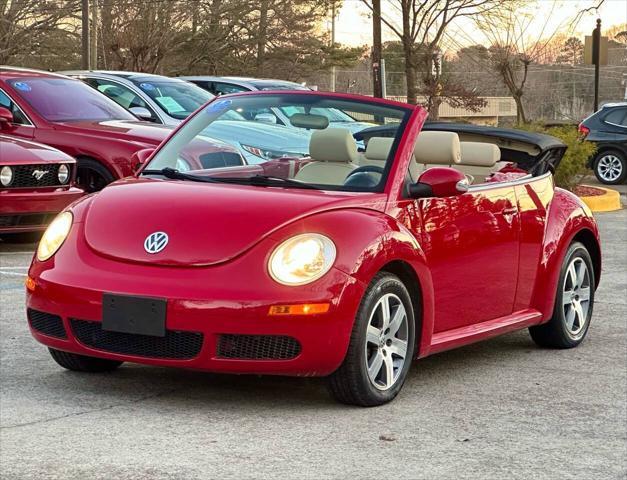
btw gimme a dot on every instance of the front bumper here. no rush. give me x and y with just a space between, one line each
220 303
27 210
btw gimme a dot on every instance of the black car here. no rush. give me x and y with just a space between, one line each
608 129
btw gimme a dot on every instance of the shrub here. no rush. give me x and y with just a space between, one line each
573 166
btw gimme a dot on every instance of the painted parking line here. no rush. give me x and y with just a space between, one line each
17 274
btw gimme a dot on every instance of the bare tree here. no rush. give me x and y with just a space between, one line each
25 24
138 34
512 52
423 24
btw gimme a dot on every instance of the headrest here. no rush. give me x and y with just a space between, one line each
333 145
437 148
305 120
480 154
378 148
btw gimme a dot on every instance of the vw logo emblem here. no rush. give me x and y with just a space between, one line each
155 242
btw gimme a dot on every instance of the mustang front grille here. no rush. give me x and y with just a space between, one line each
25 176
46 323
175 345
27 220
258 347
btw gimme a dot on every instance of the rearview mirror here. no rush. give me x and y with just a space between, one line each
140 157
6 118
265 118
439 182
141 113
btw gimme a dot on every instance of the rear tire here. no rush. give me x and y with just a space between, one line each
380 351
92 176
574 302
82 363
610 167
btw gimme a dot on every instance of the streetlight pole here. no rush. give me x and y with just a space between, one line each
596 59
376 49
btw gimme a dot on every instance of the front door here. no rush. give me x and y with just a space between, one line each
471 242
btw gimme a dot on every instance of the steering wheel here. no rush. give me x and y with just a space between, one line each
366 169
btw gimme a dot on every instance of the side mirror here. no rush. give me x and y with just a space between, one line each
6 118
439 182
141 113
265 118
140 157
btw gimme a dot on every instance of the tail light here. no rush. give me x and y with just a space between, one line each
583 130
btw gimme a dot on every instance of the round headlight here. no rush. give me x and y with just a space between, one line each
6 176
302 259
63 174
54 236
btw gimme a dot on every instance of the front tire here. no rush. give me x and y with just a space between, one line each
610 167
92 176
381 346
82 363
574 302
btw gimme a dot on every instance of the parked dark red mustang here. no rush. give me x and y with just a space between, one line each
349 263
36 183
67 114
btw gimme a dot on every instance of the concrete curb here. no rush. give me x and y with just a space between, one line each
608 202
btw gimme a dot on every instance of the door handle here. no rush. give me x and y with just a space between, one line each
509 211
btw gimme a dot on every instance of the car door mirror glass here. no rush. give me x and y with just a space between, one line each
6 117
265 118
439 182
141 113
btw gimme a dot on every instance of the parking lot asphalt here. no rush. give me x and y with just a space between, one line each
498 409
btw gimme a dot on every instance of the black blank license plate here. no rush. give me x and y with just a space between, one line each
138 315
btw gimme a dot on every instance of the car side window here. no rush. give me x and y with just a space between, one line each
18 116
120 94
220 88
617 117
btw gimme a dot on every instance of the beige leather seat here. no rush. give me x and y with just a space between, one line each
334 155
479 159
435 149
377 151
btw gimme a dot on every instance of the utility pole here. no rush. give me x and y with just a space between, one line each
332 83
85 60
94 35
596 59
376 49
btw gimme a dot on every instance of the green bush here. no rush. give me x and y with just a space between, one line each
573 166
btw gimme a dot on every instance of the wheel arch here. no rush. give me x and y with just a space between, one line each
103 163
589 240
409 277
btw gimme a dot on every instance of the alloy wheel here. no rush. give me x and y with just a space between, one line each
609 168
576 296
386 341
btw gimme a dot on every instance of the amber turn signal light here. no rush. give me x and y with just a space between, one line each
30 284
302 309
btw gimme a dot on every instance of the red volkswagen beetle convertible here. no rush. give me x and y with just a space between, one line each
347 262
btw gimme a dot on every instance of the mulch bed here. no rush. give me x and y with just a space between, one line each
585 191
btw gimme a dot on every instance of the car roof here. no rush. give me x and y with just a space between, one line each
614 104
7 71
250 81
540 140
136 76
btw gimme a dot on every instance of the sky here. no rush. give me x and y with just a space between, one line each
353 27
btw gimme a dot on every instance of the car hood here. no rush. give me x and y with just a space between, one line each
206 224
15 151
260 135
132 130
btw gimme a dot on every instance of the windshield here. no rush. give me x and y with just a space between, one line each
67 100
177 98
316 154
